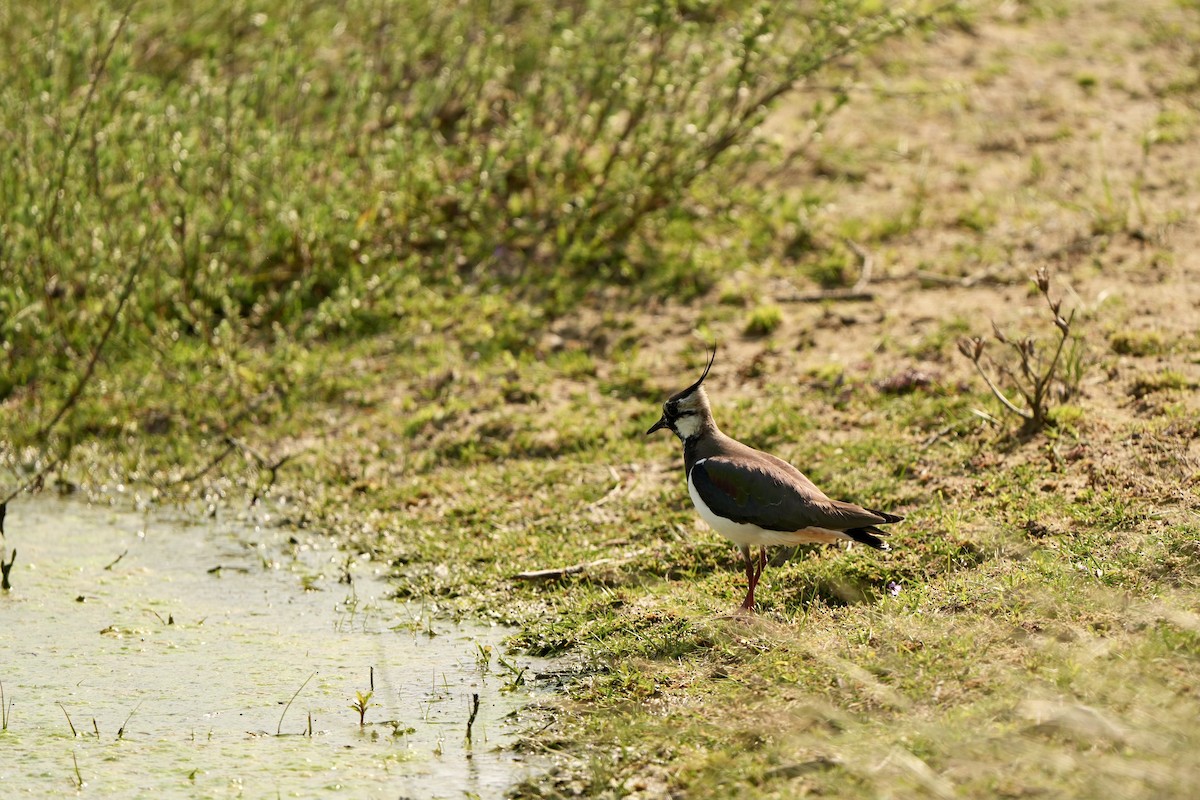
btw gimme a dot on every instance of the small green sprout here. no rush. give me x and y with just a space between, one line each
361 703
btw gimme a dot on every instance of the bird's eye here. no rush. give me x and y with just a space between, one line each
671 409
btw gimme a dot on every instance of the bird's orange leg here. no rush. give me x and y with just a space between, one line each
751 579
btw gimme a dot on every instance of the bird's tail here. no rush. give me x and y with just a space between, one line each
888 519
869 535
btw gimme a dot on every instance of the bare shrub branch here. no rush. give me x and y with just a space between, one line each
1036 375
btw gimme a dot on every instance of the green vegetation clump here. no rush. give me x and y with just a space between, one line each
764 320
1165 380
479 167
830 270
733 294
1137 343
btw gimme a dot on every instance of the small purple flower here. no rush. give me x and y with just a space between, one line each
893 588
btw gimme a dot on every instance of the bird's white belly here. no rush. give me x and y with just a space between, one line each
746 534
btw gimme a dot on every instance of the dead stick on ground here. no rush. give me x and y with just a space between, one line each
558 572
857 292
574 569
611 493
866 264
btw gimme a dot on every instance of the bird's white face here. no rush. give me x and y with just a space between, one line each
685 414
686 426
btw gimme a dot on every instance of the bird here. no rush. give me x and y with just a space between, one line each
754 498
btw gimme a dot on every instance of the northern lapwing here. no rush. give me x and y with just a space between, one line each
753 498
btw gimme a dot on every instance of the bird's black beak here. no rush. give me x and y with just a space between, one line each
662 423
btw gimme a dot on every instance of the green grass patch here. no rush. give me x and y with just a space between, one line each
764 321
1137 343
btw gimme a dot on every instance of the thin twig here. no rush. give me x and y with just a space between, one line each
233 444
1036 373
858 291
986 417
474 712
98 69
263 462
272 467
558 572
121 730
279 727
1000 395
73 397
35 480
866 264
574 569
82 383
116 561
200 473
933 437
611 493
843 295
1049 375
68 716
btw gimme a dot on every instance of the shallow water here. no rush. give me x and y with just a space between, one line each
183 654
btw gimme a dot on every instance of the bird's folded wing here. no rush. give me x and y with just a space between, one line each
764 495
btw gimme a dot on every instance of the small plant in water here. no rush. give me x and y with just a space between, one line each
74 733
400 729
279 727
483 656
361 703
121 730
1031 374
516 675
